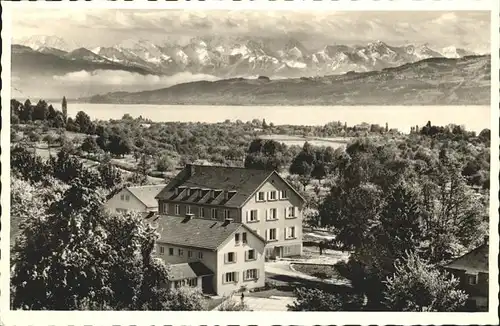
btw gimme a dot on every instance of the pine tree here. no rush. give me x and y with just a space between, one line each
65 109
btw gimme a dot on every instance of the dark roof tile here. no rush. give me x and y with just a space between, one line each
188 270
193 232
476 260
243 182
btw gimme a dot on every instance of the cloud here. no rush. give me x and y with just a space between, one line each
106 27
127 81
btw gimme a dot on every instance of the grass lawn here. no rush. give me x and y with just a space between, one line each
320 271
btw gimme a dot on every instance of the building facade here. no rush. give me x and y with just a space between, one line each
472 271
261 200
138 199
219 257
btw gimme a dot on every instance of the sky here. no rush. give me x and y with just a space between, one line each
107 27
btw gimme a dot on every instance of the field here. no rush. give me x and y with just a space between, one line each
288 140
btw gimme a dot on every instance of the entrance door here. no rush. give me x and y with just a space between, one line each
278 252
206 284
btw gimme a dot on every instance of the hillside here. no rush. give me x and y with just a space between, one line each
434 81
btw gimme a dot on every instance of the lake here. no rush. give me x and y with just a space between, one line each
400 117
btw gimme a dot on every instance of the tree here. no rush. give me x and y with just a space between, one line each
111 177
164 163
82 120
58 261
64 107
418 286
26 114
89 145
186 298
310 299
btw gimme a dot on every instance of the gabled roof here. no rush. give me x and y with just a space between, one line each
243 182
147 194
196 232
476 260
188 270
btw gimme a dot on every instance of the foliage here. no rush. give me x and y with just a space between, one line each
309 299
75 255
89 145
231 304
186 298
418 286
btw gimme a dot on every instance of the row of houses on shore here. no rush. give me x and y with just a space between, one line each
218 225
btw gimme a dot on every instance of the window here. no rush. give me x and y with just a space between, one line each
290 232
122 197
226 195
188 192
226 213
202 212
181 252
244 237
261 196
170 251
127 197
190 254
231 257
251 274
200 255
271 234
250 255
162 250
192 282
472 279
177 210
272 214
237 238
287 250
283 194
214 213
253 217
231 277
272 195
291 212
188 209
165 208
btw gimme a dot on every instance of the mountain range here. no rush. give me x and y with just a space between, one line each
220 57
433 81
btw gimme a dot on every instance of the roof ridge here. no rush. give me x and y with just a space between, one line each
231 167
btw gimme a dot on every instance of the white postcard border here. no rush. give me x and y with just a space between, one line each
256 318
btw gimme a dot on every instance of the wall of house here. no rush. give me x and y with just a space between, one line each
234 213
291 247
209 257
171 284
241 265
132 204
477 292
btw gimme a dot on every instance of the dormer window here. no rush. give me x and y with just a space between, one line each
188 192
226 195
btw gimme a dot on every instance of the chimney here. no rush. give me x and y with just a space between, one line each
190 169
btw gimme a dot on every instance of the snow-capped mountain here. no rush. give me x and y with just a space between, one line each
37 42
240 56
454 52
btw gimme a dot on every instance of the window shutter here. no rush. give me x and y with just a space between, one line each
236 274
277 234
267 234
295 211
257 274
225 258
267 214
248 216
257 214
235 260
286 212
